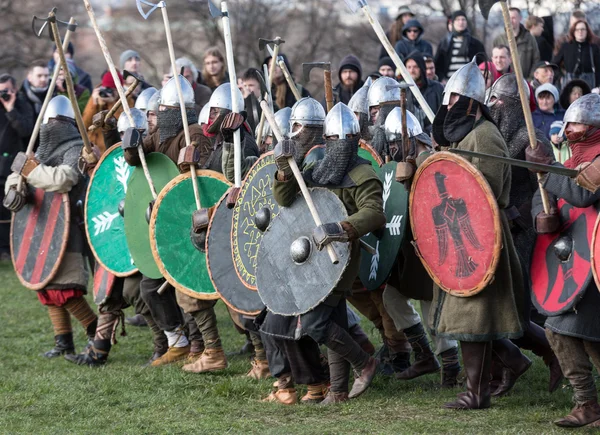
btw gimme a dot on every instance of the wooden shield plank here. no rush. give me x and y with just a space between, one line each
177 258
39 234
558 284
220 264
256 193
291 288
456 224
137 199
103 284
375 269
104 226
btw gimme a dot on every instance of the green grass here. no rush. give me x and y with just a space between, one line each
55 396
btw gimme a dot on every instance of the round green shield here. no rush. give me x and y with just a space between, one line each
375 269
179 262
104 226
367 152
138 197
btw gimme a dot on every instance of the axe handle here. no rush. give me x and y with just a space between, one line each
299 179
162 288
261 125
289 79
328 90
122 97
405 146
512 43
398 62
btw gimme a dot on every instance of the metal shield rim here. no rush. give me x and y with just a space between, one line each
229 304
168 187
85 214
367 147
251 287
592 256
63 249
489 194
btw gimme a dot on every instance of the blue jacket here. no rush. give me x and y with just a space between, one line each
543 120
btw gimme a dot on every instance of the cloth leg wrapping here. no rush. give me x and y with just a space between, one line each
206 319
61 320
81 310
164 308
259 348
304 358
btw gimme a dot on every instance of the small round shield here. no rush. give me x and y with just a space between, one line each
38 237
178 260
456 224
103 284
561 267
255 196
138 197
375 269
220 264
367 152
104 224
293 277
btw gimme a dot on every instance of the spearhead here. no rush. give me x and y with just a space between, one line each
486 5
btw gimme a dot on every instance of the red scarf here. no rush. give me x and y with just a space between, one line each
585 150
205 128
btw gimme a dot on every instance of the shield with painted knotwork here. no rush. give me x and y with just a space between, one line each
103 284
178 260
367 152
220 264
137 199
38 237
455 222
256 197
374 269
104 223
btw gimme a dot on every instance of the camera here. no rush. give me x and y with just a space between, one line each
5 95
106 92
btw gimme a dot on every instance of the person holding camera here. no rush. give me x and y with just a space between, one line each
81 92
103 98
16 125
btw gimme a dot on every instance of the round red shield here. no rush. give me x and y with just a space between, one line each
561 266
596 252
456 224
103 284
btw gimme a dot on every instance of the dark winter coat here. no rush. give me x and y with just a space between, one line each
529 53
579 58
15 129
543 120
405 46
432 92
470 47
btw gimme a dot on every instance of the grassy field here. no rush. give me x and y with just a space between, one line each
54 396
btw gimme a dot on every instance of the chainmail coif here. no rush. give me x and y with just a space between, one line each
170 122
57 138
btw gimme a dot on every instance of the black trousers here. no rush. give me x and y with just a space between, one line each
164 308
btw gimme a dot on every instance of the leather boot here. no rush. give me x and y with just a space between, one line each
137 320
425 361
514 362
172 355
365 378
283 391
259 370
210 361
63 344
477 358
581 415
155 356
316 393
535 340
96 356
196 350
333 398
450 367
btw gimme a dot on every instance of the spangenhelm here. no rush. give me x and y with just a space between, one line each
221 98
393 125
383 90
170 97
358 102
204 114
154 102
307 111
467 81
58 106
144 98
505 87
139 120
583 110
282 117
341 121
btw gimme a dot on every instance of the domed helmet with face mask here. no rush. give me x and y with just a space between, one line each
169 117
170 98
140 122
153 102
307 112
144 98
340 122
358 102
393 125
59 107
221 98
584 110
282 117
383 90
505 87
467 81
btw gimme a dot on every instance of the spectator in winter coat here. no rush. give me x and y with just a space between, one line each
412 34
214 73
35 86
546 97
457 48
81 92
350 80
430 65
395 33
501 59
579 56
84 79
535 25
543 72
282 94
387 67
573 90
131 61
432 90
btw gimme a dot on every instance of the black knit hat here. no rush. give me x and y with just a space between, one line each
457 14
388 62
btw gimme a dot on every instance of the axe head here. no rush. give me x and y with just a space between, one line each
215 12
308 67
262 42
355 5
486 5
51 18
263 87
127 74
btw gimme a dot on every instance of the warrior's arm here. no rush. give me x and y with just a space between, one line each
60 178
148 145
368 198
228 160
284 191
566 188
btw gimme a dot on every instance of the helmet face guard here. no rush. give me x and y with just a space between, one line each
468 81
341 122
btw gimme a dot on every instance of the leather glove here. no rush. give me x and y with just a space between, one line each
23 165
88 160
541 154
589 176
546 223
14 200
200 221
131 139
405 171
324 234
188 155
98 121
282 152
231 123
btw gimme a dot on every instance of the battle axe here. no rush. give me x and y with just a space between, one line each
262 43
286 73
326 67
